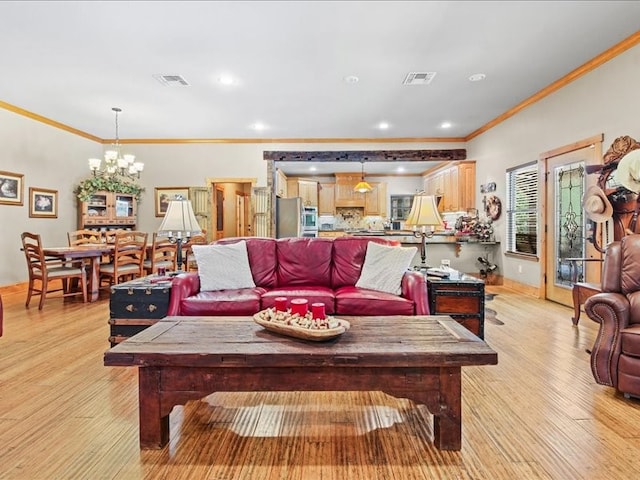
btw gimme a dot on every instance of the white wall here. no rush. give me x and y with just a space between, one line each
603 101
48 158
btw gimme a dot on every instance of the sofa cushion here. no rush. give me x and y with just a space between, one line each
304 261
235 302
222 267
360 301
312 294
384 266
262 258
348 257
630 341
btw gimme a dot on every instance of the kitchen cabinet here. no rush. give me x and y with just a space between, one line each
281 184
108 209
400 206
305 189
345 196
455 182
375 201
308 191
326 200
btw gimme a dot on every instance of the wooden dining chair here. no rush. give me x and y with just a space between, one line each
43 271
190 259
82 237
163 253
110 235
128 258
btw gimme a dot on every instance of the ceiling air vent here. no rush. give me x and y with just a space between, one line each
172 80
419 78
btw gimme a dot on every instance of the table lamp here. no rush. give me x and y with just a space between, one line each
179 224
424 213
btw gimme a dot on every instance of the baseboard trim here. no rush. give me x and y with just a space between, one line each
522 288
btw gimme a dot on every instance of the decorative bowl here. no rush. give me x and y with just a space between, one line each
316 335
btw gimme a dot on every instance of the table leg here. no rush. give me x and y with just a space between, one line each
447 423
94 279
154 428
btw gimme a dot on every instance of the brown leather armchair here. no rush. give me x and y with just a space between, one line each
615 357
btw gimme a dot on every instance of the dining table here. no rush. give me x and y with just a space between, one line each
92 252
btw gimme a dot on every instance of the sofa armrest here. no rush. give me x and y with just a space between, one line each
414 287
182 286
611 311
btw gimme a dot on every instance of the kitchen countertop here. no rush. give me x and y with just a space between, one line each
406 236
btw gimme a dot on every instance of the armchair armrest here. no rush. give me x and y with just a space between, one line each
414 287
611 311
182 286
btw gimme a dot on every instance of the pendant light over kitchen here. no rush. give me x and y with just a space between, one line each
362 186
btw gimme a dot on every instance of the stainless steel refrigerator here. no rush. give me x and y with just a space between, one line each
289 213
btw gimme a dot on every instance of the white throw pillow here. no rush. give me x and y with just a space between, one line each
223 267
384 267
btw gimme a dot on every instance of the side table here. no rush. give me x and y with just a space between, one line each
135 305
461 297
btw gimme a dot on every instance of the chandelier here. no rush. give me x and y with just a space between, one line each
115 163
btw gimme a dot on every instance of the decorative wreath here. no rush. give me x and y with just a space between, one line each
493 207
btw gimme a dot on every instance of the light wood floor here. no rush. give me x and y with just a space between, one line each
537 414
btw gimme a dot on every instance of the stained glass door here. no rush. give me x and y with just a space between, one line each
567 227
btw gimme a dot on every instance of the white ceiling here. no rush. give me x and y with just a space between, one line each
73 61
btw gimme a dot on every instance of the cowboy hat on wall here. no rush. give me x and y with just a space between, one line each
628 172
596 204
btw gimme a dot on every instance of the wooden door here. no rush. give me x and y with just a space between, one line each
219 209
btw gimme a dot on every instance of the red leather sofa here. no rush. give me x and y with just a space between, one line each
318 269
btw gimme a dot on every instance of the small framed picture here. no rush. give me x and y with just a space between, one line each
43 203
11 188
164 194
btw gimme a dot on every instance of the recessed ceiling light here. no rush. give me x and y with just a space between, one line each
383 125
226 80
351 79
312 169
259 126
445 125
400 169
477 77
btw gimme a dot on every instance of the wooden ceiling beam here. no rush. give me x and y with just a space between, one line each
368 156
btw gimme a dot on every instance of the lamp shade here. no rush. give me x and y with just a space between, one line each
363 187
424 211
179 218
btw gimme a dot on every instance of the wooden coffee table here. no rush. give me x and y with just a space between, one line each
414 357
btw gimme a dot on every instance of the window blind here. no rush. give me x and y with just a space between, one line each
522 209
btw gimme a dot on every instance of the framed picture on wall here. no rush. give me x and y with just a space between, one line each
164 194
11 188
43 203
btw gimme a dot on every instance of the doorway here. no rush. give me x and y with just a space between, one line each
566 228
231 207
